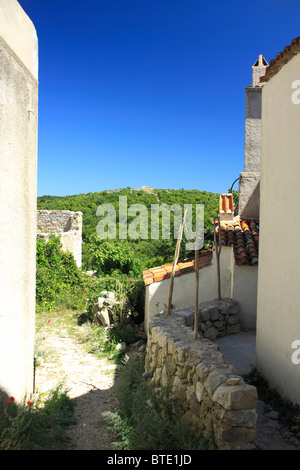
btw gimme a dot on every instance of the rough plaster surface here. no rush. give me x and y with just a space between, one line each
249 195
18 168
279 273
252 129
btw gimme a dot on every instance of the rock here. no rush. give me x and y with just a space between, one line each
211 333
233 381
104 318
236 397
100 302
121 347
148 374
272 414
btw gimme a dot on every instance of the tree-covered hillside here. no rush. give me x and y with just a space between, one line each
131 255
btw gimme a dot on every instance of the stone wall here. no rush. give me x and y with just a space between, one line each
215 400
67 225
216 319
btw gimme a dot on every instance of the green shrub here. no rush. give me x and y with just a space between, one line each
59 282
111 257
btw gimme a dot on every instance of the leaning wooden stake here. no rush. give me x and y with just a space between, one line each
196 321
218 251
174 264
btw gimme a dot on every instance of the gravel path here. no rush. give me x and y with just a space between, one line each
89 381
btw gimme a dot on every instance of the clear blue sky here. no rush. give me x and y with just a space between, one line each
148 92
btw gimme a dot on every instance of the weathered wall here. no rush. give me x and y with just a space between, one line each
67 225
252 129
18 168
249 180
215 400
184 287
249 195
237 282
278 323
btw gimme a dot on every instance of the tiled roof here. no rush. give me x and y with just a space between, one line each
281 59
164 272
243 236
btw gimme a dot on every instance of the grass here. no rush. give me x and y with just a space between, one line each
149 419
37 425
41 424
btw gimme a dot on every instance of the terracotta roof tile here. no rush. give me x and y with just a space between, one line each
243 236
281 59
226 203
160 273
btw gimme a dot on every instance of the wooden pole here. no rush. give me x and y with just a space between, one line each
218 251
174 264
196 320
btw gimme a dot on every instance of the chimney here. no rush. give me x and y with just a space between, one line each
259 70
249 179
226 207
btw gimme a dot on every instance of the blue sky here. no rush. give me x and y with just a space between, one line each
148 92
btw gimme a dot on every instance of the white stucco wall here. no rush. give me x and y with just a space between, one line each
237 282
18 168
244 292
184 286
278 315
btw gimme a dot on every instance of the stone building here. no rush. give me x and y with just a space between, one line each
18 170
66 225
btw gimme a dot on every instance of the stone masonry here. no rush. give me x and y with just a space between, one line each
215 399
216 318
66 225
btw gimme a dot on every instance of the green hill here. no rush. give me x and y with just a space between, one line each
148 252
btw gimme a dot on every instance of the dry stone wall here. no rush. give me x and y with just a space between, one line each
215 399
216 318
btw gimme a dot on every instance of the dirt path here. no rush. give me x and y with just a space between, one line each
87 379
90 381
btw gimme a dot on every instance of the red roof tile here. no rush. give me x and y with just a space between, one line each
243 236
281 59
160 273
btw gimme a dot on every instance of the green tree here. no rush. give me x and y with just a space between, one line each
112 257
